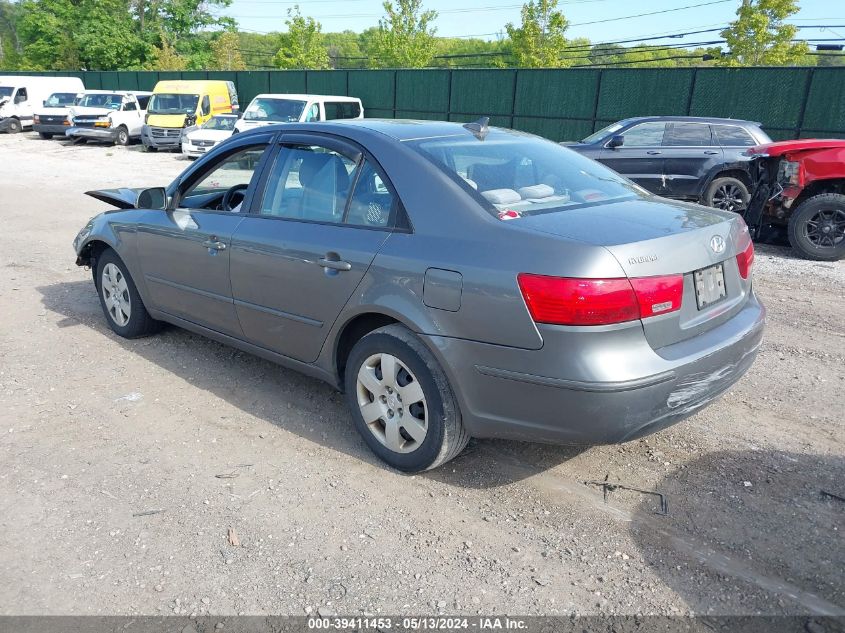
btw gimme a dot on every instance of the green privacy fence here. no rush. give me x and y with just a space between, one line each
562 104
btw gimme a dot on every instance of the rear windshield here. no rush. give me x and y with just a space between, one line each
283 110
513 172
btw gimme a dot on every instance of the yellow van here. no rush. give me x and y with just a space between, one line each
178 106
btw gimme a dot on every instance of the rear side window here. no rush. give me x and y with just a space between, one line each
733 136
309 182
688 135
342 110
645 135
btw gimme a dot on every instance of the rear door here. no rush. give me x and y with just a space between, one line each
325 211
690 152
640 158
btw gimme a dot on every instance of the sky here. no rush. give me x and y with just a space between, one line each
486 18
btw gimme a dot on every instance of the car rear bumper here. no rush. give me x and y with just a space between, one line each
50 128
92 133
599 387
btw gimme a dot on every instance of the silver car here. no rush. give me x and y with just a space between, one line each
454 280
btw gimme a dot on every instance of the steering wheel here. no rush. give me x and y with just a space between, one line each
234 196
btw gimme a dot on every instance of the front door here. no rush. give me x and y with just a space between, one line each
689 153
640 157
184 252
324 213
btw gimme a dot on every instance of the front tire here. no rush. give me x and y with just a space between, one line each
119 298
401 401
817 227
45 135
122 137
728 194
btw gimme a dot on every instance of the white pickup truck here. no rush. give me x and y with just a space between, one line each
115 116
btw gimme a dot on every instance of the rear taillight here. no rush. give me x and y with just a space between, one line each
568 301
744 261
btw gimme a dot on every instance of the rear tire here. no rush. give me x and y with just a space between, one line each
421 432
14 126
728 194
119 298
817 227
45 135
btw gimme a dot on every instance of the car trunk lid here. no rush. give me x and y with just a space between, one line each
652 237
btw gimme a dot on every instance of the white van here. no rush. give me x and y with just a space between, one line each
22 95
114 116
267 109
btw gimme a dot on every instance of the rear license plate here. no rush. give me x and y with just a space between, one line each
709 285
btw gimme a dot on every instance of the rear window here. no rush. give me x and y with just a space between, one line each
341 110
733 136
513 172
688 135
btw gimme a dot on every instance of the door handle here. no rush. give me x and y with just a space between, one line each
653 152
214 244
710 152
332 262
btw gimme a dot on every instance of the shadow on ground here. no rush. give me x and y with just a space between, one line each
269 392
766 512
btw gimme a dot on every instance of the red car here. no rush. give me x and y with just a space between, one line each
801 185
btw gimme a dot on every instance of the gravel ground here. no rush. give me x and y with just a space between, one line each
176 475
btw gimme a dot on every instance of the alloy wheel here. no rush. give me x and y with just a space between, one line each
392 403
826 229
116 294
728 197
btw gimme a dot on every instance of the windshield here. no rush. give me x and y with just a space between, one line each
60 99
6 91
524 175
221 123
605 131
101 100
284 110
164 103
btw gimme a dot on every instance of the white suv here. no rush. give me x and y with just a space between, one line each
267 109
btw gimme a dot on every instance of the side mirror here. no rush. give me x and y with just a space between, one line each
154 198
617 140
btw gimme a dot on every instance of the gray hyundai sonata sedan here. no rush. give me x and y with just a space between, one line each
454 280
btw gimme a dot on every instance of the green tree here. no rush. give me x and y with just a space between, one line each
302 46
759 36
405 37
10 48
226 49
166 57
540 41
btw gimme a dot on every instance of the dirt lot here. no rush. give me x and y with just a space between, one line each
125 463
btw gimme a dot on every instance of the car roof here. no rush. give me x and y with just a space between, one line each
398 129
690 119
141 93
304 97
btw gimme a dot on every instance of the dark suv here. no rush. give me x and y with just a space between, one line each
690 158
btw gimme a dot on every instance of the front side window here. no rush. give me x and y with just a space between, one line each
231 175
130 106
689 135
732 136
518 172
313 113
21 96
645 134
206 106
164 103
280 110
309 182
